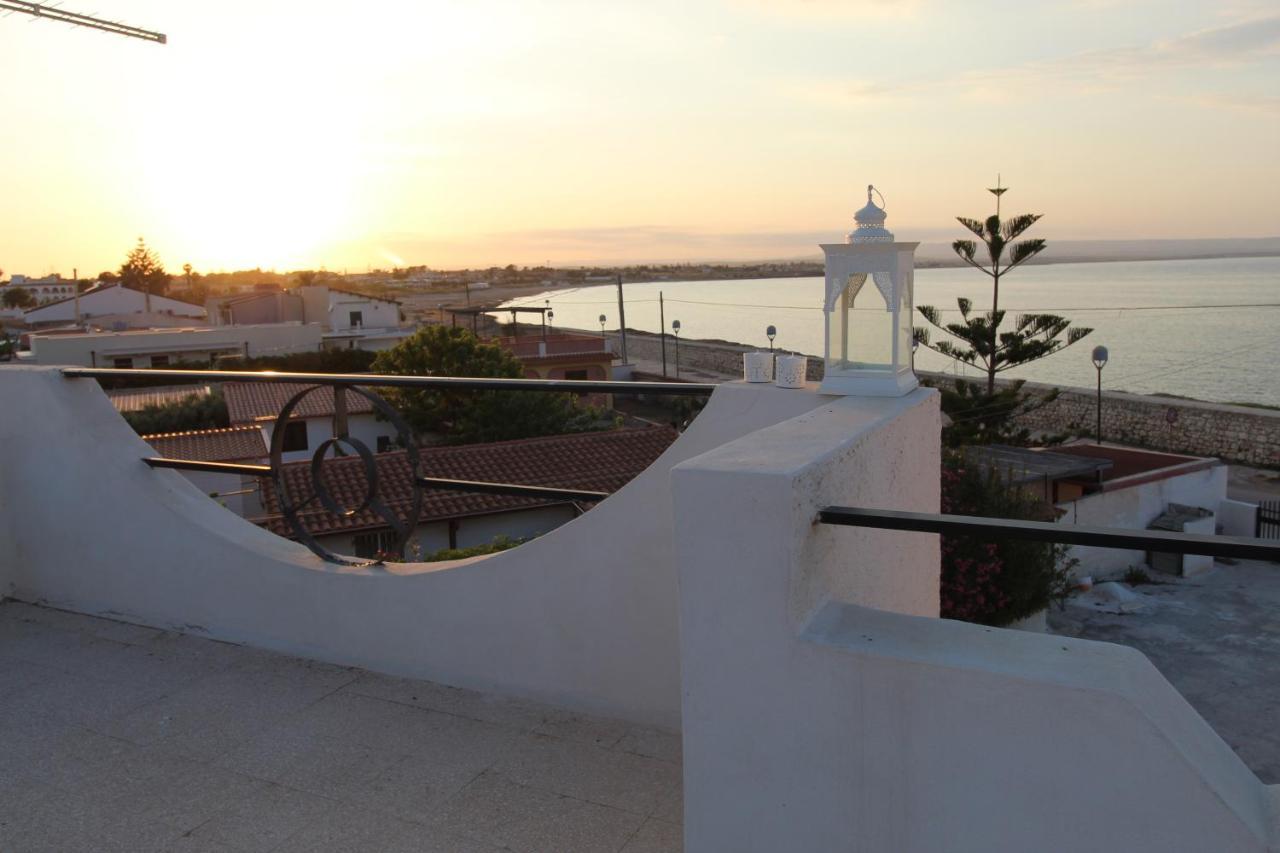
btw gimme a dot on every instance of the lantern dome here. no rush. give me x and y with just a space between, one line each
870 223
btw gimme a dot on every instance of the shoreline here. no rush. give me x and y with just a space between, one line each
425 303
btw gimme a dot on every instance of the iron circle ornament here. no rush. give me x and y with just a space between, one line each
293 506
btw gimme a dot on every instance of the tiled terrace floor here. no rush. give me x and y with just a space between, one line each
118 737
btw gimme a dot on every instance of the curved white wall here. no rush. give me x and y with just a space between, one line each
584 617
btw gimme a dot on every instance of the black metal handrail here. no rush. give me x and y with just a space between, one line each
382 380
1042 531
201 465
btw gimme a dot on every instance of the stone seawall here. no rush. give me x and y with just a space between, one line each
1235 433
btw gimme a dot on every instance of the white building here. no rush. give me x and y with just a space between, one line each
259 403
165 347
118 307
47 289
349 320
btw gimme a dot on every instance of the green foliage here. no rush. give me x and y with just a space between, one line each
143 271
463 417
979 340
500 543
997 582
976 417
1137 576
18 297
196 411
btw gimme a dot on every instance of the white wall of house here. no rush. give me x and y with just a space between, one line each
373 313
234 492
101 349
364 426
1135 507
471 531
112 302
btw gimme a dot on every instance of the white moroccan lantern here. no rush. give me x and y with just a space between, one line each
869 334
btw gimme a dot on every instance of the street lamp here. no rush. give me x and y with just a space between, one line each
551 315
675 330
1099 361
603 319
772 332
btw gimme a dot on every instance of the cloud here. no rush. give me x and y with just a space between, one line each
1239 44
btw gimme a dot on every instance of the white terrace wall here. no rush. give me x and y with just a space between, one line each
1135 507
827 709
584 617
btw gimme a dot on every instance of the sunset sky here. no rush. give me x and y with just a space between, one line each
302 134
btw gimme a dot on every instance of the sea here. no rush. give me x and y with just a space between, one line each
1206 329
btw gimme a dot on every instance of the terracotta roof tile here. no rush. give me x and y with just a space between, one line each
248 402
593 461
136 399
232 444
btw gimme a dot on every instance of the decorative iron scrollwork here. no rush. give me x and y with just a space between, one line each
292 506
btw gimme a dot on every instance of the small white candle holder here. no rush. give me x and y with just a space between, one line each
755 367
792 370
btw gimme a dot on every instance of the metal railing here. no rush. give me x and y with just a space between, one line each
1159 541
292 506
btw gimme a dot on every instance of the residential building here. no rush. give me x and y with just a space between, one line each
47 289
240 444
137 399
349 320
260 403
164 347
564 356
115 307
590 461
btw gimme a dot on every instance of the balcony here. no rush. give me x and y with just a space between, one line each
820 702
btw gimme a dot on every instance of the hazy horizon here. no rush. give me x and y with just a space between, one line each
282 135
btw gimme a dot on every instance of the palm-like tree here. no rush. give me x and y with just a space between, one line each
981 343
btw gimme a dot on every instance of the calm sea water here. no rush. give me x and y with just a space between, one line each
1211 350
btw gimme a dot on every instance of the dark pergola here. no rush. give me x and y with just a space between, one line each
473 313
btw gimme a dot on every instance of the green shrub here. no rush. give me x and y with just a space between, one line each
196 411
500 543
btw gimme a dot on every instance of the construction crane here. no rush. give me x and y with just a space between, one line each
40 10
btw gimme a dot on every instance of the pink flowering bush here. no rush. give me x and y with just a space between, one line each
996 582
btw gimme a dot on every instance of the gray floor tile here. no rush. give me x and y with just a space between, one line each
631 782
458 701
656 836
654 743
263 821
597 731
344 829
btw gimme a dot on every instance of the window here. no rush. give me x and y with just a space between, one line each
159 361
357 318
580 375
295 436
384 443
124 363
369 546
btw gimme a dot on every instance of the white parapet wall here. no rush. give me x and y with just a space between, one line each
1136 506
827 708
583 617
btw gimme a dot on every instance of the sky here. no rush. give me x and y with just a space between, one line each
286 135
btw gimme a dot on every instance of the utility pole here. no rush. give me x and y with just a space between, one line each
75 288
662 333
622 321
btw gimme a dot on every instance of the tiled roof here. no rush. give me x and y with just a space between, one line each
592 461
248 402
136 399
232 444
